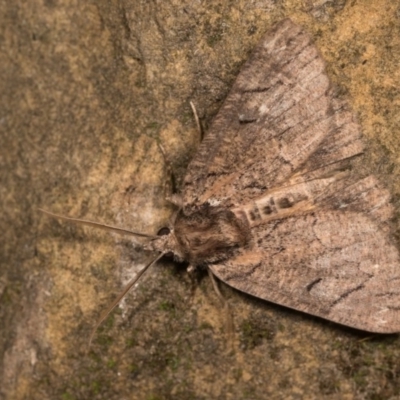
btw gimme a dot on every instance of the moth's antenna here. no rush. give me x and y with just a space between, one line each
98 225
111 307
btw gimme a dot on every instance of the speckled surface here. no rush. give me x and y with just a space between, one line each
87 90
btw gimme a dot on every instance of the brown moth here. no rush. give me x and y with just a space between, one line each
274 203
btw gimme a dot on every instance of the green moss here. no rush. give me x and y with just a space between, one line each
5 297
249 393
95 387
173 363
153 125
104 340
205 325
187 117
67 396
253 332
361 378
187 328
109 322
133 368
131 342
167 305
329 386
214 32
153 397
237 374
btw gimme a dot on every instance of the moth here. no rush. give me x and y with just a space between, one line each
275 203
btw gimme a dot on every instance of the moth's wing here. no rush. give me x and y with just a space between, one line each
339 265
283 127
280 113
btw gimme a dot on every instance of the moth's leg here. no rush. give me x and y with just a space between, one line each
191 273
197 119
227 310
170 187
190 269
175 199
215 286
169 184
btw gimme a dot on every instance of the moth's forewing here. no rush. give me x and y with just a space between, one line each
280 155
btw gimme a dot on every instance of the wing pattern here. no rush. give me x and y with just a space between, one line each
336 265
282 129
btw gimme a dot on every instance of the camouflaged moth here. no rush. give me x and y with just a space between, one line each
274 204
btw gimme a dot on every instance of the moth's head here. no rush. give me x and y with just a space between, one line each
166 244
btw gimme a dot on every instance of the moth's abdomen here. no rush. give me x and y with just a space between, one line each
294 199
210 234
309 195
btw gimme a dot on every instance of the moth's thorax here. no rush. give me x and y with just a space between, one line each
207 234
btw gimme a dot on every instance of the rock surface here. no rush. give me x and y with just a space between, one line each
87 92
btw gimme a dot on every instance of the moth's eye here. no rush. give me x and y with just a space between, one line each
163 231
170 255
